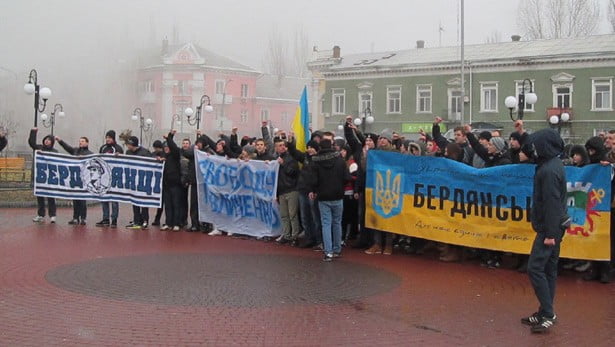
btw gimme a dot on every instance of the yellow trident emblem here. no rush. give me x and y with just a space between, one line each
388 196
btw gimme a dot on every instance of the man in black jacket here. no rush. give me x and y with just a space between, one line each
110 147
172 186
140 214
46 146
330 173
80 209
3 140
288 195
549 220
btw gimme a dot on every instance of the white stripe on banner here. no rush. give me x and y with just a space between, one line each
238 196
102 177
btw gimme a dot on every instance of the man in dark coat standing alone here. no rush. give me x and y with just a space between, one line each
549 220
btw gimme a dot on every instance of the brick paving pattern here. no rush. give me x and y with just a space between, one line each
75 286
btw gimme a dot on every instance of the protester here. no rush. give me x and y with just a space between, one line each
140 218
549 220
287 194
110 147
3 140
80 208
329 175
171 183
46 146
158 152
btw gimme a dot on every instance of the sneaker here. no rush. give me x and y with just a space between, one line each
375 249
328 257
73 222
114 223
531 320
281 240
229 234
103 223
318 248
544 324
215 232
38 219
194 229
337 254
582 267
144 225
133 226
52 220
176 228
156 223
163 227
83 222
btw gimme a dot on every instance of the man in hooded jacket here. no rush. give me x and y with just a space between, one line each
549 220
46 146
110 147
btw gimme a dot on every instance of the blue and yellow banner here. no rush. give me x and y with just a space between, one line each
446 201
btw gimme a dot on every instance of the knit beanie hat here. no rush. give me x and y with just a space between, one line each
516 136
133 140
314 145
157 144
498 143
387 134
111 134
485 135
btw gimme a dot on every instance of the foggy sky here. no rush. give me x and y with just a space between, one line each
77 43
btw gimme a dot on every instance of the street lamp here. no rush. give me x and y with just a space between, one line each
523 98
144 124
367 118
189 112
50 121
175 118
559 120
32 87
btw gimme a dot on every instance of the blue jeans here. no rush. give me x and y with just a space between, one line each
331 220
310 218
115 206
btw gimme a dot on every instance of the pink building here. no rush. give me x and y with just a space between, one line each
177 76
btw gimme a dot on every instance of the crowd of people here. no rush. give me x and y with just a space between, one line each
320 190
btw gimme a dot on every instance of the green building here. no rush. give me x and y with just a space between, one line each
405 90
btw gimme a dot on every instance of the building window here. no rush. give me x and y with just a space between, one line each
181 88
454 105
394 99
601 92
423 98
244 116
244 90
562 95
284 117
264 115
220 86
489 97
338 101
365 102
519 88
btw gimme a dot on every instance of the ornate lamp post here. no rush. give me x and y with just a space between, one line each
367 118
196 119
144 124
523 98
32 87
559 120
51 121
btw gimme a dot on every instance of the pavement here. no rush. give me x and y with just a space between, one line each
86 286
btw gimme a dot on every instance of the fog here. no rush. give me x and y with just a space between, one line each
87 51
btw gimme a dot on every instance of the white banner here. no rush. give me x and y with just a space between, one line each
238 196
103 177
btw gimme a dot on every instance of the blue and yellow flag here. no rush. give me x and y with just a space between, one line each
301 122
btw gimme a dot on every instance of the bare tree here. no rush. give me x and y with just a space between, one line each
494 37
8 126
301 52
611 14
550 19
276 58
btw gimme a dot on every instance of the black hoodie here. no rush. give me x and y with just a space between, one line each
549 196
597 144
75 150
330 174
3 142
41 147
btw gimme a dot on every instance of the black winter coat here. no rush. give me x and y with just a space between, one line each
172 170
549 196
74 150
330 173
288 174
41 147
111 149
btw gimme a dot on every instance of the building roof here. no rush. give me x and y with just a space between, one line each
154 57
519 51
284 88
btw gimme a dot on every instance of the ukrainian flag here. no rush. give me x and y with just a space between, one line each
301 122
